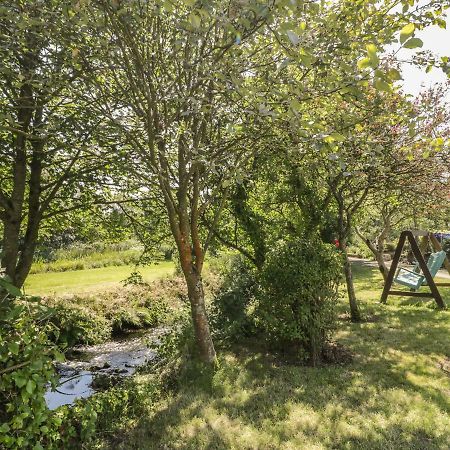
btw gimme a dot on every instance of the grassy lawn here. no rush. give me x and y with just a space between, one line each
90 280
393 395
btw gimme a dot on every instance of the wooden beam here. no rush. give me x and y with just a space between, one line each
396 259
418 233
412 294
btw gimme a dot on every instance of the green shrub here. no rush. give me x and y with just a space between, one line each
93 319
26 368
296 303
79 324
88 420
230 308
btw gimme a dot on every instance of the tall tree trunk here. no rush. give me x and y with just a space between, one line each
13 214
194 282
191 261
203 337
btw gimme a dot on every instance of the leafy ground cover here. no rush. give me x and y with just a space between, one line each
91 280
394 394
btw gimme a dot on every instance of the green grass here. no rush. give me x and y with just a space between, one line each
393 395
91 261
90 280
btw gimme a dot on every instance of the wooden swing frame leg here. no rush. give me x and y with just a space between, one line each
422 264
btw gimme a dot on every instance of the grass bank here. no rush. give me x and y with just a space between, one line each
395 394
92 260
91 280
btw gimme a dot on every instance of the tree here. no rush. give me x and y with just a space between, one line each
48 158
180 79
416 192
181 124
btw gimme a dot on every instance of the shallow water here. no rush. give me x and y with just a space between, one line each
119 358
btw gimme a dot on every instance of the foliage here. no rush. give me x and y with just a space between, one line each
93 319
26 362
50 142
296 306
87 420
230 309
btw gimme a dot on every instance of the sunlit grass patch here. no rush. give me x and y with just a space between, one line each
91 280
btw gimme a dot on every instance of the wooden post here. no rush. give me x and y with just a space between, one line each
390 277
438 247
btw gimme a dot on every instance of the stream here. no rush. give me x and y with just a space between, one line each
96 365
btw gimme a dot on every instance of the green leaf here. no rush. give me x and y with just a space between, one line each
413 43
338 137
406 32
195 20
14 348
31 386
372 52
10 288
381 85
295 105
394 74
364 63
20 381
307 60
59 356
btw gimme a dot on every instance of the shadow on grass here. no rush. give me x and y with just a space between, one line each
393 395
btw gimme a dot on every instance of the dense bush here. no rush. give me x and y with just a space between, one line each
93 319
230 312
298 293
26 368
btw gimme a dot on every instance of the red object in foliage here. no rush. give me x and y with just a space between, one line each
336 243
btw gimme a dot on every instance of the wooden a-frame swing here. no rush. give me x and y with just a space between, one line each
422 276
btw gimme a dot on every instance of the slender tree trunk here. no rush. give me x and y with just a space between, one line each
191 261
354 309
344 227
27 253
